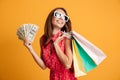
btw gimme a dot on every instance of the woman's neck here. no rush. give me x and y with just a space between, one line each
56 30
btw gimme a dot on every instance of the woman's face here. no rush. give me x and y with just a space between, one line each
58 20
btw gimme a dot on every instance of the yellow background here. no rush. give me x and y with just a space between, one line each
97 20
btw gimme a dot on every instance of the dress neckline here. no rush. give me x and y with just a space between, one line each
53 38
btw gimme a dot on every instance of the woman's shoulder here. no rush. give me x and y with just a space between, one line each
42 38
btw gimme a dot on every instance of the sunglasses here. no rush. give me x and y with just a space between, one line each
60 15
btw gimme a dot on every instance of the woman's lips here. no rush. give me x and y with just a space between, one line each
59 21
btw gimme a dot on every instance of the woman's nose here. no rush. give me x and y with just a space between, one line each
61 18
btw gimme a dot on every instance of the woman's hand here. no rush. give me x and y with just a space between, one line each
38 60
62 36
28 44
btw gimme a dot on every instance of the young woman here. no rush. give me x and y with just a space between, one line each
56 53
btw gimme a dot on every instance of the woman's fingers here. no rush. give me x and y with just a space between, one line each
59 38
67 35
27 43
62 36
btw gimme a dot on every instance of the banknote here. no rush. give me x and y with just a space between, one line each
27 31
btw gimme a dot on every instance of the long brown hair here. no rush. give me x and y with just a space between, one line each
48 28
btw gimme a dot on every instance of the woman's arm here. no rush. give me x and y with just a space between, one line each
65 59
38 60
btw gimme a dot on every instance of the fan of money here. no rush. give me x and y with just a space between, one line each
27 31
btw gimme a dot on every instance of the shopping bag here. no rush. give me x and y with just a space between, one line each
81 61
88 63
86 56
79 69
94 52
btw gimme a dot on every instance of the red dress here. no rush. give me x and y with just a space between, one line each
57 70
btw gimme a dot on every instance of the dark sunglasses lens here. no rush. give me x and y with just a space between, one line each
57 14
66 18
